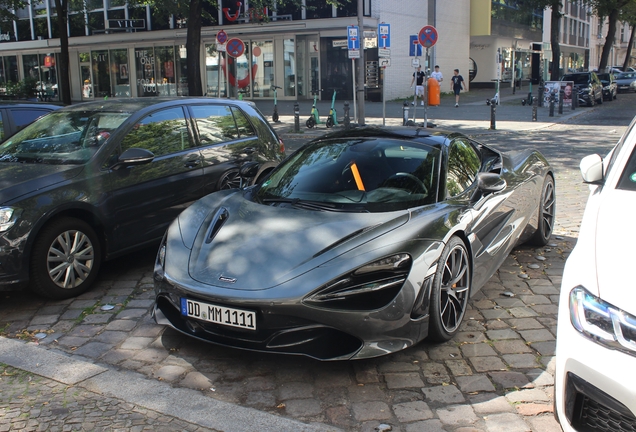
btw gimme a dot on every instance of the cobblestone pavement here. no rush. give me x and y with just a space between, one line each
29 402
496 375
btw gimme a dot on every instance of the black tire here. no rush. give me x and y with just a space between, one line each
65 259
600 100
545 214
275 117
229 180
452 284
310 123
329 122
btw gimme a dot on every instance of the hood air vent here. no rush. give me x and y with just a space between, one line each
220 218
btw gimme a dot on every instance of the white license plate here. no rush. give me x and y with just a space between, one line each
218 314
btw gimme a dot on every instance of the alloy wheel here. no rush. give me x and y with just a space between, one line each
70 259
454 289
547 210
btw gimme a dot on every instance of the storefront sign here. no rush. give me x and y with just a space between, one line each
5 37
49 61
342 43
127 23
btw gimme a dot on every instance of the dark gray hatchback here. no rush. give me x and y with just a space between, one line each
93 181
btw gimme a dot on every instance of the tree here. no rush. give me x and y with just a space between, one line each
629 16
611 9
556 14
63 79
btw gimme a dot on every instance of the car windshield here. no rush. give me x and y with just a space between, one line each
356 174
577 78
62 137
605 77
626 75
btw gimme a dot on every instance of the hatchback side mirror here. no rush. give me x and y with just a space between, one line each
133 157
592 169
248 171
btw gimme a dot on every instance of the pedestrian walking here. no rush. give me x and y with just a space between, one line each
437 74
457 85
418 78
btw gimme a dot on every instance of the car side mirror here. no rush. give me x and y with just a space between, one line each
488 183
133 157
592 169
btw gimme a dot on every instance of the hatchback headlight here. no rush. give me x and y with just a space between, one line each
602 322
8 217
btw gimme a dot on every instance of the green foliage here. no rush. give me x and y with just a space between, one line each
23 89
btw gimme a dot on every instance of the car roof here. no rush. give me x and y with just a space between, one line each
137 104
397 132
25 104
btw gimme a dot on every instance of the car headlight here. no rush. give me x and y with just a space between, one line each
369 287
160 261
602 322
8 217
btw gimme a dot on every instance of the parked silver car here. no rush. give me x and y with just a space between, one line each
626 81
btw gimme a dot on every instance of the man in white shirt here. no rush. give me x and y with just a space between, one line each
437 74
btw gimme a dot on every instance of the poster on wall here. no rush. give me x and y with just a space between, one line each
123 71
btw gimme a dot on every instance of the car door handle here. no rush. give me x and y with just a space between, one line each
192 163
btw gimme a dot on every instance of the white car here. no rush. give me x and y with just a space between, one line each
595 381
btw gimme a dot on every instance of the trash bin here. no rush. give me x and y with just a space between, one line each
433 92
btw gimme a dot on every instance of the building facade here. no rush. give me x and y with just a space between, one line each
122 51
619 47
575 31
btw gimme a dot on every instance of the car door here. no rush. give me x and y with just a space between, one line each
226 139
144 199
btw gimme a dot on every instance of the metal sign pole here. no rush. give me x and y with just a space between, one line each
426 89
383 99
355 105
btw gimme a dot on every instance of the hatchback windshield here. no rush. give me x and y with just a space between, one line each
627 75
577 78
62 137
372 175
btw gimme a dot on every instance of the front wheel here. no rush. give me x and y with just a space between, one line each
546 213
310 123
275 117
451 289
65 260
329 122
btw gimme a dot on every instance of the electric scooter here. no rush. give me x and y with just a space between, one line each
275 115
314 117
333 117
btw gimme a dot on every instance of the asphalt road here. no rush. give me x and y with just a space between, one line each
496 375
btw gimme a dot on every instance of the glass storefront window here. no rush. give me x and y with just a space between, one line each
289 60
101 75
181 56
120 72
8 71
262 68
165 71
145 65
216 83
47 86
319 9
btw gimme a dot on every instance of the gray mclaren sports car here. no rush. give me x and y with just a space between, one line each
362 243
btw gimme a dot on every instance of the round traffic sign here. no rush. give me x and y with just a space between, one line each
235 47
221 37
427 36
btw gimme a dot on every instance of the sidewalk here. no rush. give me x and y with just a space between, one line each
472 117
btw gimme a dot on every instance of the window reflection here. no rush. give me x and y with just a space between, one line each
463 166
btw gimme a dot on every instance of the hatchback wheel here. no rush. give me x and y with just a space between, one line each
229 180
451 288
65 260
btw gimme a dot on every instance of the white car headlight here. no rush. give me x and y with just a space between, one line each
602 322
8 217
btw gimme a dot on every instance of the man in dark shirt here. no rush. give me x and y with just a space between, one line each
457 85
419 88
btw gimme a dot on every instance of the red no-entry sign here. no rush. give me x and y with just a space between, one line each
427 36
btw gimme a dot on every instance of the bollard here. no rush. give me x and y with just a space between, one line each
493 112
551 105
561 94
534 113
405 113
575 99
347 119
296 117
541 96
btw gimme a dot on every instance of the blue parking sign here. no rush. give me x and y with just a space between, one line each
353 38
384 35
415 49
